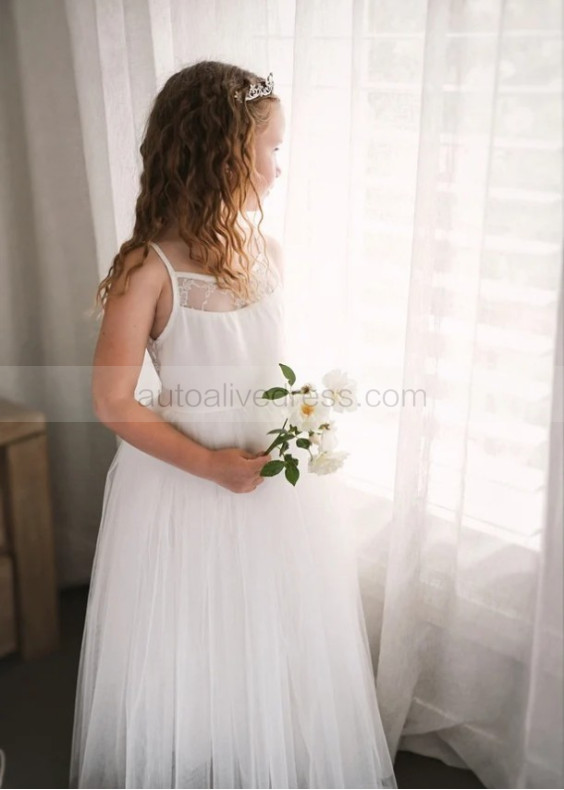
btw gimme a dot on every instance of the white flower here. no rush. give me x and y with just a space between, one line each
307 412
326 462
341 390
328 439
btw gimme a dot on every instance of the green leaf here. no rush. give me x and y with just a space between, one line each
272 468
282 437
280 440
290 459
275 392
289 374
276 430
292 474
303 442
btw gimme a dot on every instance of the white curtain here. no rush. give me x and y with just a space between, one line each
421 214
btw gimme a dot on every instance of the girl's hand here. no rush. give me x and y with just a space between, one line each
237 470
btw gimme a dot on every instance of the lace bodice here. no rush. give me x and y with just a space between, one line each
202 291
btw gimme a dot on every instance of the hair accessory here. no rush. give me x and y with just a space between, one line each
259 89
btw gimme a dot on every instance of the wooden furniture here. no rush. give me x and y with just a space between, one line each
29 618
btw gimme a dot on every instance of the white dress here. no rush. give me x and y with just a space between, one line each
224 642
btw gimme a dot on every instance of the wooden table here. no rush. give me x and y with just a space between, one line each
29 617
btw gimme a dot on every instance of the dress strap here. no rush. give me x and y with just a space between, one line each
174 285
170 270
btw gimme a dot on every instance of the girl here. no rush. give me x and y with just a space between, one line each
224 643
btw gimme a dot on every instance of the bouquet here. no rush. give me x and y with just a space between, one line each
309 424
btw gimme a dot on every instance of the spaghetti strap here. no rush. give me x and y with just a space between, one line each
164 259
175 292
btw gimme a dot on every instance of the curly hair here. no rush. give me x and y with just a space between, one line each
198 164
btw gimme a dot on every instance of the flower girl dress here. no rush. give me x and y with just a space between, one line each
224 642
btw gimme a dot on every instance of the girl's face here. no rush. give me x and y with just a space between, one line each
267 142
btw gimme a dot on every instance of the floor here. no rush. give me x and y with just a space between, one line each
37 706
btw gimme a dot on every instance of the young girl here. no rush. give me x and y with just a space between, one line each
224 643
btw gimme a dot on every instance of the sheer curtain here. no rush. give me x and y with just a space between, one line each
421 214
425 234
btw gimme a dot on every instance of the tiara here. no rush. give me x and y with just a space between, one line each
262 88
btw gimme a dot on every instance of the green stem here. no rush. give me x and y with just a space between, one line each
266 452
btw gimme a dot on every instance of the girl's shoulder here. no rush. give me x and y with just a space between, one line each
143 273
129 312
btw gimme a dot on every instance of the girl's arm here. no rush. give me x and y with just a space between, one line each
118 358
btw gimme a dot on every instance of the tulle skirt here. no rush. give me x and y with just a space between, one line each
224 642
